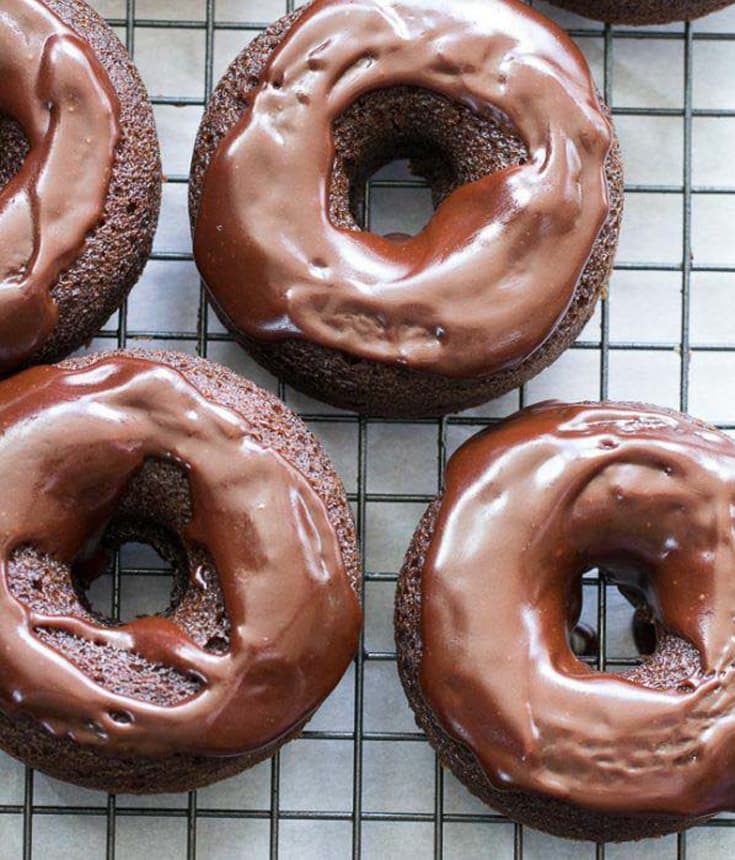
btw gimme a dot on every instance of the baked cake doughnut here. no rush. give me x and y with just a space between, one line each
80 178
490 592
231 488
643 11
497 108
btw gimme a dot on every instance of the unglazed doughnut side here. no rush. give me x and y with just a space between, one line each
639 459
116 250
467 147
158 495
642 11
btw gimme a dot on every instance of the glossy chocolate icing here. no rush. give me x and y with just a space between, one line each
70 443
52 84
650 496
486 282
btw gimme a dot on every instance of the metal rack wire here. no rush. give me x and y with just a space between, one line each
200 338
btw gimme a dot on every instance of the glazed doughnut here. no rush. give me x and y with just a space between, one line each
229 486
483 619
79 178
498 109
643 11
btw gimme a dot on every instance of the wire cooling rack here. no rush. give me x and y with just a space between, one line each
363 782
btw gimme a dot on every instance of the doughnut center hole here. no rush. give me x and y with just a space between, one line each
132 582
397 201
400 151
14 148
630 631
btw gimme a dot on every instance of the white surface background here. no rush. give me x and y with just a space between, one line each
399 776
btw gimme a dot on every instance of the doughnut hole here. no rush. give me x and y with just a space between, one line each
149 584
14 148
445 143
631 629
665 660
154 510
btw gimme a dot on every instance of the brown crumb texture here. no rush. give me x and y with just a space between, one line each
155 509
673 660
115 251
13 148
448 145
643 11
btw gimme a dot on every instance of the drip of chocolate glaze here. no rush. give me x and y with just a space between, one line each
56 88
484 285
650 496
70 443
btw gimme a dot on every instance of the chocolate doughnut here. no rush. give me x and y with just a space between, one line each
228 485
642 11
498 109
80 178
490 591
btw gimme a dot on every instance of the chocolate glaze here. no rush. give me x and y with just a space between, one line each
54 86
70 443
485 283
530 505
